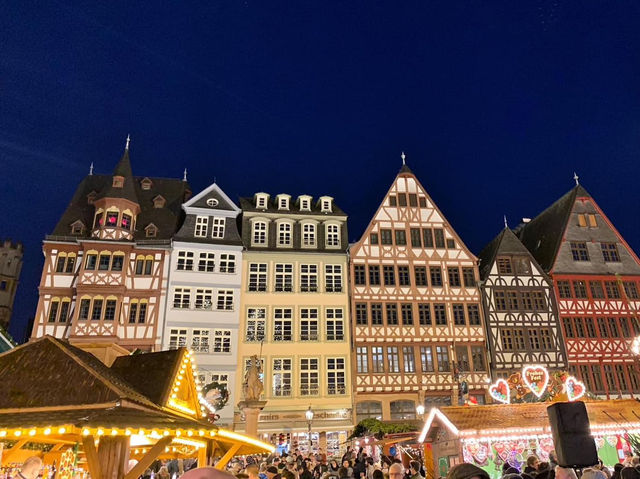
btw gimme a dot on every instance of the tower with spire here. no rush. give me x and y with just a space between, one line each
417 324
106 261
596 278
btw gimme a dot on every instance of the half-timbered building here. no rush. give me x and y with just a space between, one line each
106 263
416 315
520 310
203 308
294 307
596 278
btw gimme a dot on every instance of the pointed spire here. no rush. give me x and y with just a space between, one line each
576 178
126 147
506 225
91 169
403 156
184 176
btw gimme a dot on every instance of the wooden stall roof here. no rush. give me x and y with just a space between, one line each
55 391
503 418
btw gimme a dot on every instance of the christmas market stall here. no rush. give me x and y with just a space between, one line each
63 404
489 436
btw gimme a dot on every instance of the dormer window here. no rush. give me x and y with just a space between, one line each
125 222
283 202
146 184
91 197
111 219
325 204
159 202
305 203
261 200
118 181
77 228
151 231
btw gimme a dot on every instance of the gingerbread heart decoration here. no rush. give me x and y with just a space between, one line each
575 389
536 378
501 449
500 391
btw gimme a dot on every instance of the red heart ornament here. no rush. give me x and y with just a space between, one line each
536 378
575 389
500 391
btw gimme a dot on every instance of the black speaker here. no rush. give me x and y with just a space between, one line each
572 438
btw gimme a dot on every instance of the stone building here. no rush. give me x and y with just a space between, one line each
10 267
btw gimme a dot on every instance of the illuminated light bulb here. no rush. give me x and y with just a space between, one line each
3 433
137 451
174 395
127 432
32 432
189 432
62 430
114 432
201 432
47 431
178 383
166 449
212 432
173 449
85 432
141 432
176 389
100 432
178 433
17 433
165 433
180 376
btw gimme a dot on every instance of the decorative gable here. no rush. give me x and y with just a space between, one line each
185 396
211 198
159 201
146 183
78 228
151 230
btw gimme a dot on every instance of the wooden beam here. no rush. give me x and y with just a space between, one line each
9 453
146 460
57 447
92 457
227 456
202 457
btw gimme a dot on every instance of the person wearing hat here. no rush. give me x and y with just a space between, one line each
467 471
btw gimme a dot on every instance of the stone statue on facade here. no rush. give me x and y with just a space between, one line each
252 387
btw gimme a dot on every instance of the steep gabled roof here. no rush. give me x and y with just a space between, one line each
505 243
543 234
80 377
215 192
128 189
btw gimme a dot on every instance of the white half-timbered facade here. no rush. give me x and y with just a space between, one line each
417 321
203 306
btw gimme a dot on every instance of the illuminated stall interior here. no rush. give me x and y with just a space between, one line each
65 405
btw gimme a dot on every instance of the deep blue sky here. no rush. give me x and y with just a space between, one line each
495 103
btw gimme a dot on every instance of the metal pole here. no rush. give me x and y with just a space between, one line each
309 423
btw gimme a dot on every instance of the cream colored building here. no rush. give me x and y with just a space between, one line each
294 316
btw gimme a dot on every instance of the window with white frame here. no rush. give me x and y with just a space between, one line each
217 228
206 262
308 235
309 377
284 234
177 338
283 203
204 298
261 201
202 225
259 233
185 261
281 377
182 298
308 278
283 278
225 300
325 205
282 324
333 278
308 324
200 341
336 376
222 379
257 277
362 360
305 204
256 318
333 236
334 324
227 263
222 341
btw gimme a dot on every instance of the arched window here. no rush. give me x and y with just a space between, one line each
369 409
333 236
126 220
259 233
308 235
111 218
284 234
403 410
54 306
61 260
65 306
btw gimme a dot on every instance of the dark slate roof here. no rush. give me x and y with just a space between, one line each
406 169
128 190
166 219
543 234
248 204
223 202
505 243
52 372
231 233
152 373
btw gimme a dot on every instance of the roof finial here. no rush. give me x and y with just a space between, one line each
576 178
184 176
126 147
91 169
506 225
214 180
403 156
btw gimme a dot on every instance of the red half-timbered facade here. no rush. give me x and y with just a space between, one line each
596 278
106 263
416 315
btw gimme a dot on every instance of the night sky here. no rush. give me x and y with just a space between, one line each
496 104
